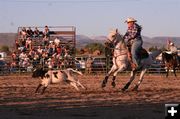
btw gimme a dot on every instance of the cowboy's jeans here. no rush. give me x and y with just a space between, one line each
136 47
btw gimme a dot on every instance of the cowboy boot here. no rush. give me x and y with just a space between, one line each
133 66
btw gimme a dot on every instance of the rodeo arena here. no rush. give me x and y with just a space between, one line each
44 78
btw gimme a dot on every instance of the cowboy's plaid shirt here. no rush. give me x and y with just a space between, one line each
133 32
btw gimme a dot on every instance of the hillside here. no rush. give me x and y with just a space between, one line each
82 40
7 39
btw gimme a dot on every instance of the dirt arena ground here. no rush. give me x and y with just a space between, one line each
60 101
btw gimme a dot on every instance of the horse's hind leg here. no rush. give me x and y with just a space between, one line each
140 80
38 87
174 71
44 88
167 73
133 73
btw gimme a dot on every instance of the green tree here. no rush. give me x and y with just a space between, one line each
153 48
4 48
95 46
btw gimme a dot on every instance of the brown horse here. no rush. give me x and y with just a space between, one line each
170 62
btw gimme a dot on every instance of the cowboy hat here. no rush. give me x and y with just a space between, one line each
171 43
130 19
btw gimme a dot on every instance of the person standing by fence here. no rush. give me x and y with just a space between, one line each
89 65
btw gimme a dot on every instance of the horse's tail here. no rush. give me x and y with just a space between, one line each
75 71
154 54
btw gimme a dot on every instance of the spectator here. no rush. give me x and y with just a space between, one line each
57 41
36 32
15 57
22 56
29 43
17 44
31 54
89 65
174 52
46 32
45 40
39 50
46 35
29 32
23 33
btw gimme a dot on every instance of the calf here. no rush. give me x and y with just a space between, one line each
56 76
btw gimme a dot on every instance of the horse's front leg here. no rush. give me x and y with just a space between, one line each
133 73
113 69
38 87
44 88
114 76
140 80
82 86
74 85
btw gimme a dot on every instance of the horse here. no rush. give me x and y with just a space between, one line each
121 62
56 76
170 62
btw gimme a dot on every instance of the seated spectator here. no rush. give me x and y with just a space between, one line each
17 44
50 50
39 50
36 32
50 63
46 32
23 33
66 53
45 40
29 32
36 58
15 57
57 41
31 54
58 50
29 43
22 56
13 66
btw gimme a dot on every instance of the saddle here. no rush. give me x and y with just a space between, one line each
142 54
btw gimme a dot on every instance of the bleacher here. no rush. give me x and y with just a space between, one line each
66 36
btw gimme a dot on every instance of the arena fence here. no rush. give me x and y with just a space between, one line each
100 65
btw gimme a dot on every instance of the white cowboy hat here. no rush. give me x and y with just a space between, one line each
171 43
130 19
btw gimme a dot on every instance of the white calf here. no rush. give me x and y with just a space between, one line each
57 76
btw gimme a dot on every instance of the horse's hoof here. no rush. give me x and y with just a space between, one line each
113 84
103 85
123 89
135 88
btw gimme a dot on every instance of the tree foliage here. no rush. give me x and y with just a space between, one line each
4 48
95 46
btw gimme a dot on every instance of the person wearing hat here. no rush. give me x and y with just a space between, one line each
174 52
133 37
172 48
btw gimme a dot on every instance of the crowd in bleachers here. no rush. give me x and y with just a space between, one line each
35 47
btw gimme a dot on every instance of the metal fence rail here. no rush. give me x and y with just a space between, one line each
100 66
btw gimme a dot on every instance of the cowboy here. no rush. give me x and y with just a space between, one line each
174 52
133 36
